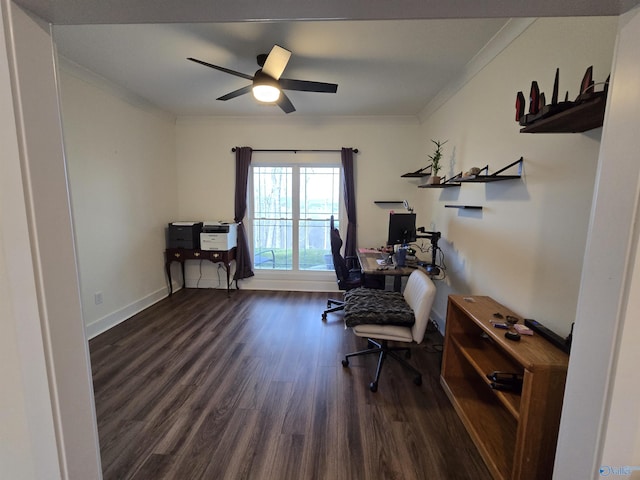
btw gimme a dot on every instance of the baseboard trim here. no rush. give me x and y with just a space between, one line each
439 320
109 321
288 285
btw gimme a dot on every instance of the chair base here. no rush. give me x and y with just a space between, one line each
333 306
383 349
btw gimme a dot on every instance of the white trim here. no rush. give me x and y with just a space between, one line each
28 444
102 83
282 120
501 40
289 285
51 245
109 321
607 273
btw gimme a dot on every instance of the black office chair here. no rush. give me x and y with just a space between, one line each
348 272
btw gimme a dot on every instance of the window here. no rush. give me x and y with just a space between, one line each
292 205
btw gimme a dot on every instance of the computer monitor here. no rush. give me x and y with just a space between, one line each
402 228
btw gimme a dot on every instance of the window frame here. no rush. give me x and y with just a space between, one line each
301 160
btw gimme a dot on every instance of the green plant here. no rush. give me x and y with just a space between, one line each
437 156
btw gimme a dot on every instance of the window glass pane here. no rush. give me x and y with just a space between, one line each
319 196
319 192
314 245
272 240
272 218
273 196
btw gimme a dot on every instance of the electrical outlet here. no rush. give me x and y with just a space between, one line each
97 298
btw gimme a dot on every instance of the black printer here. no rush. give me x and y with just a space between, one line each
185 235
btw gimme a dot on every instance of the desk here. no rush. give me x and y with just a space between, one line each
369 264
183 254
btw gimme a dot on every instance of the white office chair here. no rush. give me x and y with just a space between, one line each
419 295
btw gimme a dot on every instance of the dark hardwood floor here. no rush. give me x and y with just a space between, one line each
201 386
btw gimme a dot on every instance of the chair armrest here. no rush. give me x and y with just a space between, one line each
265 256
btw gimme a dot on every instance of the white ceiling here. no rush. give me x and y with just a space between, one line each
391 67
389 61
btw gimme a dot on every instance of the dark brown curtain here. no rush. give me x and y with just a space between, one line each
243 255
351 240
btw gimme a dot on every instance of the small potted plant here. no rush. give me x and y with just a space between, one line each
435 162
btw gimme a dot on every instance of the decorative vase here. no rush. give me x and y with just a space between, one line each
434 180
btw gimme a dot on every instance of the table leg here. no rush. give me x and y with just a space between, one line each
397 283
167 267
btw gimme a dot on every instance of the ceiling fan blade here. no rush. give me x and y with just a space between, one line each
236 93
222 69
307 86
276 61
285 104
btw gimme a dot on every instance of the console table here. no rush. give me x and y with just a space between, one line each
183 254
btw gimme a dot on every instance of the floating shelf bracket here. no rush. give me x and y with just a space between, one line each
494 177
452 182
418 173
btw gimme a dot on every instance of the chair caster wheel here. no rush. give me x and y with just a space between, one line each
418 380
324 317
345 363
373 386
328 304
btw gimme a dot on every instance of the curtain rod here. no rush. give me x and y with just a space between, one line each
355 150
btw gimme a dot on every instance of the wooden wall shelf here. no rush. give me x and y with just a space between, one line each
452 182
515 431
465 207
494 177
584 116
380 202
423 172
459 179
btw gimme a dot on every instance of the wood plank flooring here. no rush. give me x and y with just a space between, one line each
201 386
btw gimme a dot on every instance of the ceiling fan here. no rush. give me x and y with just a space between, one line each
267 84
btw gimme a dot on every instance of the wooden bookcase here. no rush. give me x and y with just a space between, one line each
516 433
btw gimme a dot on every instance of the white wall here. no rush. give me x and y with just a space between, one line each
21 369
525 249
388 147
123 181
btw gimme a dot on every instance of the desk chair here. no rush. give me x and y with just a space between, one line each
348 272
419 294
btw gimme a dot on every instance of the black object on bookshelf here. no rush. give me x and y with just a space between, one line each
380 202
563 344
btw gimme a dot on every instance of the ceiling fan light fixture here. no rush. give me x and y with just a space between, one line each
265 89
266 93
